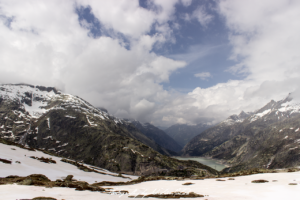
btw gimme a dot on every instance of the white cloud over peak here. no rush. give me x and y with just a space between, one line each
265 40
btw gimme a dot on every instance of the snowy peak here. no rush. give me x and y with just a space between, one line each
22 105
237 118
276 111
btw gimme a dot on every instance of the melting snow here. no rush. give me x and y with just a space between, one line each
259 115
48 138
48 119
65 144
70 116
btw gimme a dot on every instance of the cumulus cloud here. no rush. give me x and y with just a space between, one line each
203 75
43 43
46 44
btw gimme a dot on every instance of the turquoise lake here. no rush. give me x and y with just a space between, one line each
206 161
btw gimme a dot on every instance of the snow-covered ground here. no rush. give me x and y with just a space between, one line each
240 188
52 171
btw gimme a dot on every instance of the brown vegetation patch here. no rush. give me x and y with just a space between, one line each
136 181
231 179
173 195
45 160
188 183
293 183
247 172
42 180
293 170
259 181
44 198
5 161
220 180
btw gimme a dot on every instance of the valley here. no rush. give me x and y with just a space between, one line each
47 134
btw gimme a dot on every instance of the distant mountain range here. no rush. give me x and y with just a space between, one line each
159 136
183 133
268 138
66 125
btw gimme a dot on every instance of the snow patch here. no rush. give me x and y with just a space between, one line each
260 115
48 119
70 116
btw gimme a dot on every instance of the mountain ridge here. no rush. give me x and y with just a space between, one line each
267 138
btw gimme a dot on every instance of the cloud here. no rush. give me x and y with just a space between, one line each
203 75
43 43
46 44
264 46
186 3
202 16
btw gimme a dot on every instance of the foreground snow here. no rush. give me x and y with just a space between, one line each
240 188
59 170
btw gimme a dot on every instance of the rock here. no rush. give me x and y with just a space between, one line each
69 178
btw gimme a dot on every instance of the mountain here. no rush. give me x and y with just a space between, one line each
268 138
159 136
68 126
183 133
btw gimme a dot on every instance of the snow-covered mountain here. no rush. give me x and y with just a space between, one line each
66 125
266 138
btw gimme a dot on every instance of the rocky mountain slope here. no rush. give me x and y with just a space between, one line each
68 126
267 138
183 133
159 136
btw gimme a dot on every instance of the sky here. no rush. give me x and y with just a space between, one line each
163 62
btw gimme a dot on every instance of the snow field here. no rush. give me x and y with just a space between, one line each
52 171
240 188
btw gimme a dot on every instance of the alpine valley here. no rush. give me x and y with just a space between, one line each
65 125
